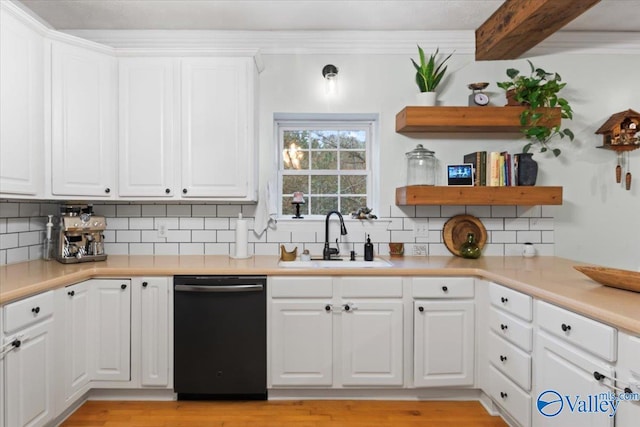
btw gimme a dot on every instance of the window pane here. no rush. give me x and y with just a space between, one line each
325 160
353 139
291 183
324 184
353 184
350 205
324 139
351 160
299 137
322 205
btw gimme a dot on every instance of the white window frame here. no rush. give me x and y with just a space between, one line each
366 122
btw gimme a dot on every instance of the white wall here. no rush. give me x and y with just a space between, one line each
598 221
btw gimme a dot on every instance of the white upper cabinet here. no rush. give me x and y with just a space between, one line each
218 149
147 126
83 121
21 107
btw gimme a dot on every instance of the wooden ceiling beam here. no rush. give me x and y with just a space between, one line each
519 25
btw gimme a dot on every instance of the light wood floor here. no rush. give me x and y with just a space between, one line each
312 413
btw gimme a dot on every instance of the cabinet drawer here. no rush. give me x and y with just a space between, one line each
512 329
510 360
28 311
443 287
301 287
592 336
371 287
508 395
511 301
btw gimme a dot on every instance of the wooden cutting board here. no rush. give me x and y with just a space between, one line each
455 231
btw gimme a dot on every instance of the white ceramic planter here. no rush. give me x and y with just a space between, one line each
426 99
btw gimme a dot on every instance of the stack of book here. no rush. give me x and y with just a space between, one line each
493 169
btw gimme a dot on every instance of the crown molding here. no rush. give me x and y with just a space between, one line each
348 42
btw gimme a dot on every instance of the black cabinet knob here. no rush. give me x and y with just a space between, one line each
420 309
166 190
504 300
565 327
123 286
16 343
445 289
184 191
107 190
327 308
35 310
503 327
628 390
598 376
503 395
346 307
503 358
145 284
71 293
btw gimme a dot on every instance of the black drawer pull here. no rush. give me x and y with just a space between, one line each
107 190
184 191
327 308
123 286
420 309
445 289
503 327
16 343
71 293
598 376
35 310
565 327
145 284
503 358
503 395
166 190
504 300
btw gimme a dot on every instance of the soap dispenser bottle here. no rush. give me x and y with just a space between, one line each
368 249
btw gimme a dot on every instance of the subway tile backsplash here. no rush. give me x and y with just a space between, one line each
208 229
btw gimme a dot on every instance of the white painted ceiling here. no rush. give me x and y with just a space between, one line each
408 15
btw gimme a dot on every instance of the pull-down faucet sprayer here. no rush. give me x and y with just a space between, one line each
327 252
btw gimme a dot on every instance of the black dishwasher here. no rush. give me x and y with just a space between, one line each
220 337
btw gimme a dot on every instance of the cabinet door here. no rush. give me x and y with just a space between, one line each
29 377
21 107
372 344
110 302
83 121
218 156
77 317
146 136
565 377
443 343
154 336
301 343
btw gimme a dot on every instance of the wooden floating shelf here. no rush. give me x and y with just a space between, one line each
619 148
468 119
452 195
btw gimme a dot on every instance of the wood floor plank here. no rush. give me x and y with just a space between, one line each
307 413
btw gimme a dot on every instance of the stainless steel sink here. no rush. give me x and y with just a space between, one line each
338 263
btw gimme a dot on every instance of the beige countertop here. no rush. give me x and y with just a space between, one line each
551 279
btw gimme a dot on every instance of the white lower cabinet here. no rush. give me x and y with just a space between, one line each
29 381
110 345
566 386
443 343
336 332
156 315
73 358
628 374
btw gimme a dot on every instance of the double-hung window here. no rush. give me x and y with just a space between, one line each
329 161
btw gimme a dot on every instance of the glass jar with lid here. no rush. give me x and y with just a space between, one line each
421 166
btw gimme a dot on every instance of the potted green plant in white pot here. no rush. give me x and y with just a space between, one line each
429 74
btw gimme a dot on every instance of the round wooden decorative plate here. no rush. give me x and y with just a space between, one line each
456 229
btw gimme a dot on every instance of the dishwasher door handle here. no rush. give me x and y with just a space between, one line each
227 288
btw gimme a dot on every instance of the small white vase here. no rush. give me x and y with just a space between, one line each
426 99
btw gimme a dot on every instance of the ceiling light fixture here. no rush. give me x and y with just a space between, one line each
330 74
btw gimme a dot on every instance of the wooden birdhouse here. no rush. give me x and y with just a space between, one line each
620 131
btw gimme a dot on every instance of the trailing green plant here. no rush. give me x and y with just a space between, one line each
539 90
429 73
